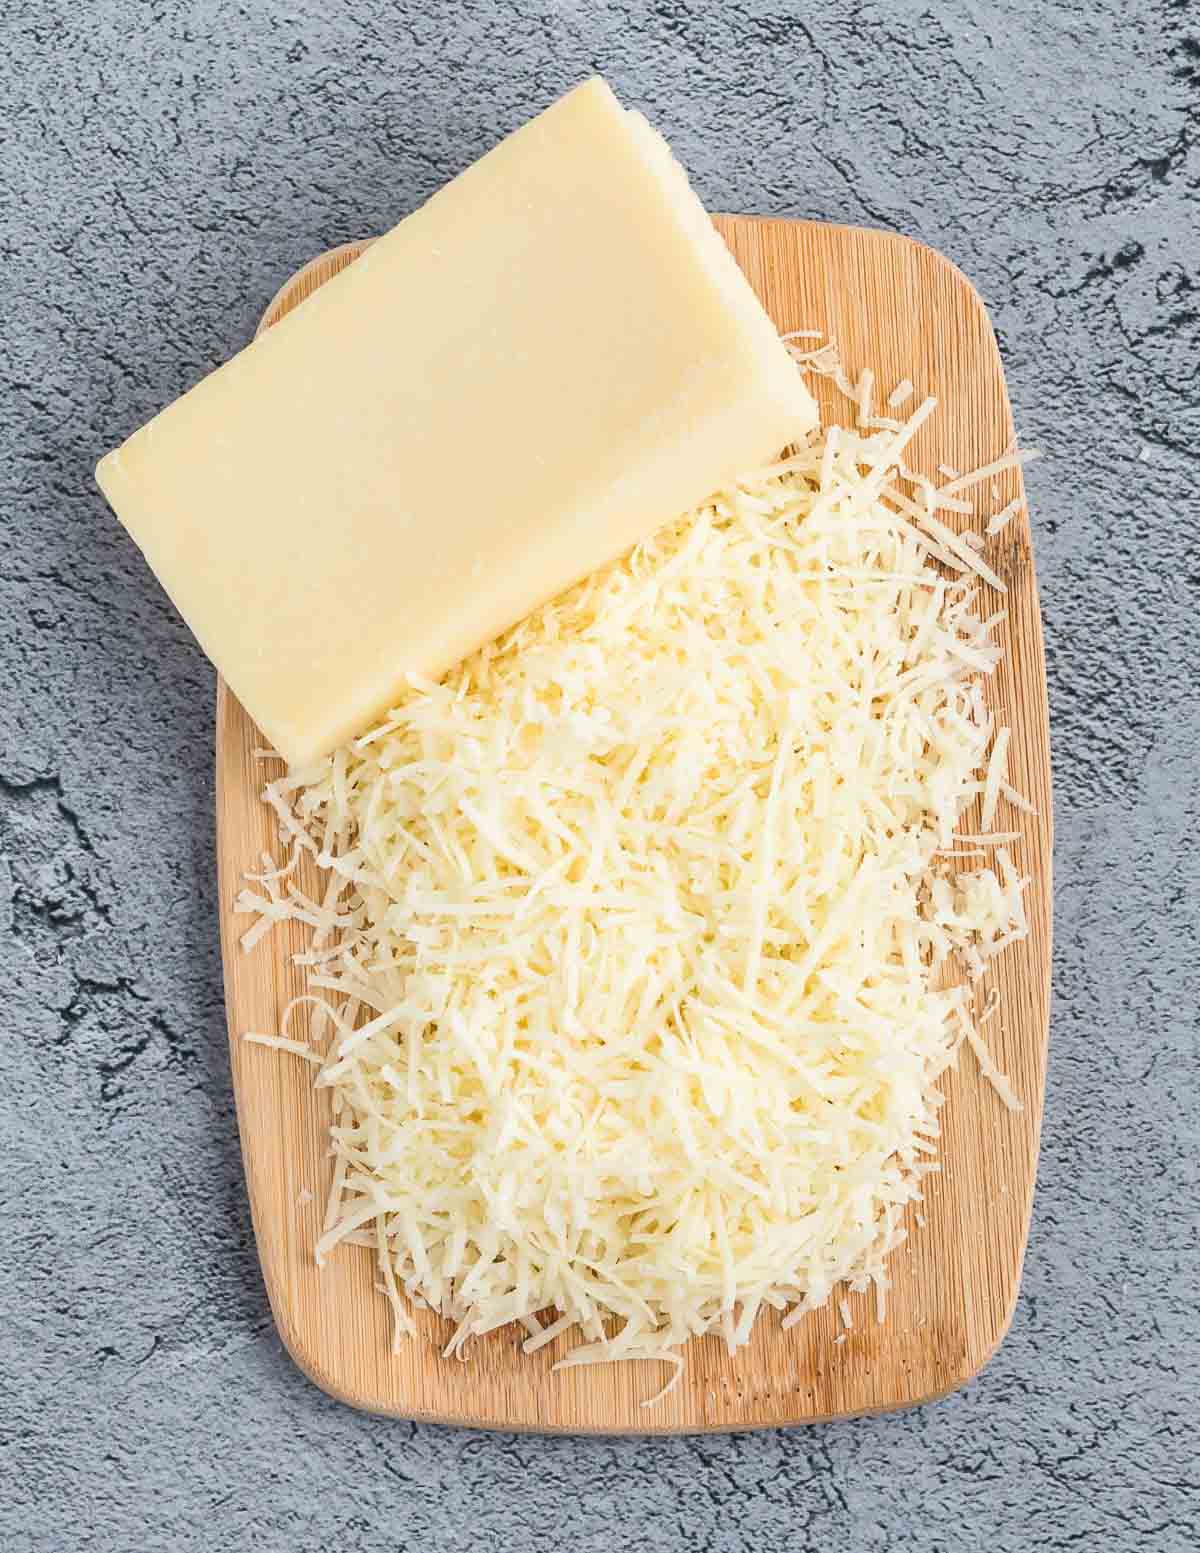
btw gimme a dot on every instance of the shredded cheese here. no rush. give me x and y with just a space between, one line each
995 776
1006 461
997 524
900 395
634 946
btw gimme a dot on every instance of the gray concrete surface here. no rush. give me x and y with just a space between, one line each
163 166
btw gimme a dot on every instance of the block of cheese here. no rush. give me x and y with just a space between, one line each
552 357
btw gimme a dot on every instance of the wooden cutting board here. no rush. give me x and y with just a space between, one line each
906 312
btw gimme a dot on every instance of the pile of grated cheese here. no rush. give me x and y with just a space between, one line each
631 975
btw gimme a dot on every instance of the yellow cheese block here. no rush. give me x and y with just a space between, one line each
550 359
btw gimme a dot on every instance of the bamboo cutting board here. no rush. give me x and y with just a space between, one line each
906 312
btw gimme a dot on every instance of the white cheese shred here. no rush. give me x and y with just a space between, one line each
997 525
999 466
282 1044
900 395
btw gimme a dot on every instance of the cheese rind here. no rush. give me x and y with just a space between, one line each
552 357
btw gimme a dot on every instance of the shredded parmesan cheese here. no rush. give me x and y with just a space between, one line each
1011 460
1004 517
900 395
281 1043
634 948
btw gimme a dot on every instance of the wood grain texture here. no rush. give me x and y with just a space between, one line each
905 311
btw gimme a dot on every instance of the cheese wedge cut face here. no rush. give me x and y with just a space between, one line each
547 361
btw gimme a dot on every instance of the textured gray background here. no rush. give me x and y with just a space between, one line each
164 167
